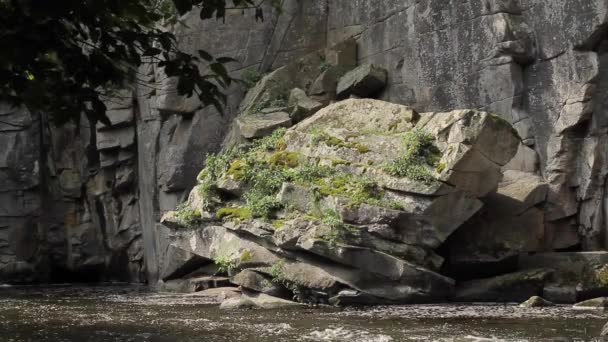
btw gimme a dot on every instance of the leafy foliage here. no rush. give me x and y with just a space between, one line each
187 216
67 57
251 77
225 264
419 159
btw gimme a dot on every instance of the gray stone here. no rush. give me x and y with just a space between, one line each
604 331
526 160
303 106
125 177
536 302
593 304
259 301
260 125
507 226
231 186
216 295
118 118
364 81
298 197
179 262
116 138
513 287
562 294
343 54
579 275
191 285
257 281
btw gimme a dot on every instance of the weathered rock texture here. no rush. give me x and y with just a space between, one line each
91 198
346 229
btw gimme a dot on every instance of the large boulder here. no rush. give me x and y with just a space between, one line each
513 287
578 275
536 302
510 224
600 303
260 125
349 205
257 301
364 81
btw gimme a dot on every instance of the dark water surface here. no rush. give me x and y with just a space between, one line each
134 314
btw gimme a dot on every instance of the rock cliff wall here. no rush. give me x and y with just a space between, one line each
79 202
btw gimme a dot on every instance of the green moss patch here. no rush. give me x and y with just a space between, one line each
357 189
284 159
234 213
331 141
237 170
278 224
187 216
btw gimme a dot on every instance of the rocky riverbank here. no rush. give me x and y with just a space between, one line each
325 200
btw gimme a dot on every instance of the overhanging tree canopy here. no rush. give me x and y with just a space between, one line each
62 56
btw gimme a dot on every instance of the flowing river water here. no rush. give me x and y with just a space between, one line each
119 313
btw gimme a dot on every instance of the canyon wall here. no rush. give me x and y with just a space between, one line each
83 203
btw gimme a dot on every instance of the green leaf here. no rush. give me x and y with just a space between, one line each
205 55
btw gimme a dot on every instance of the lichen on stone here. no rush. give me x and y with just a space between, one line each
332 141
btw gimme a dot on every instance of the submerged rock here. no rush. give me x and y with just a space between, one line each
536 302
190 285
595 303
251 300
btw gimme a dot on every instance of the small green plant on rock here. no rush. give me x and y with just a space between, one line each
186 215
271 142
262 205
333 220
310 173
419 159
601 276
251 77
246 255
225 265
278 224
276 271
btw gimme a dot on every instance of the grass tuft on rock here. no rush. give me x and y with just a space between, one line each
187 216
420 158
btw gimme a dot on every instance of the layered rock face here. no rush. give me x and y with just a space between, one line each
333 210
88 200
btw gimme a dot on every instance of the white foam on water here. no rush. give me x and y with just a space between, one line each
272 328
342 334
